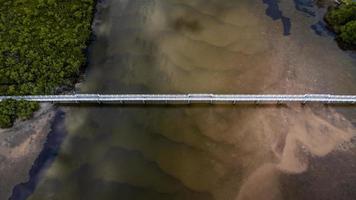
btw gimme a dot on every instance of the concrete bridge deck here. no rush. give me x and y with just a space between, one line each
189 98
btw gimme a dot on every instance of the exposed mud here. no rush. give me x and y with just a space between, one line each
20 146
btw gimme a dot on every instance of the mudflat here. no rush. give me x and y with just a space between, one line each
20 146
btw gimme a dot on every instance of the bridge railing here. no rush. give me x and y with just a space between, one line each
187 98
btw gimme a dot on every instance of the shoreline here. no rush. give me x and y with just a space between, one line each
48 154
46 124
20 146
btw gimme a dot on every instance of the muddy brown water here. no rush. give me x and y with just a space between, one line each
209 152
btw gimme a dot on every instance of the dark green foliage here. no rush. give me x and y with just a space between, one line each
7 113
11 110
41 47
348 33
341 15
41 43
342 20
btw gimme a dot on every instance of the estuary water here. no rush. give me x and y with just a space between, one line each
208 152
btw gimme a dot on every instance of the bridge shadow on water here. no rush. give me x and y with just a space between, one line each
204 105
168 106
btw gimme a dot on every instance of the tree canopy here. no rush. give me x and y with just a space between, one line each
41 45
11 110
342 20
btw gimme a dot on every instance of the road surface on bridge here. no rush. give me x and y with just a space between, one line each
189 98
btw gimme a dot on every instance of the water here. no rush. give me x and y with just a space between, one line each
44 160
208 152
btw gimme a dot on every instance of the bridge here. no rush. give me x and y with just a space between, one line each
189 98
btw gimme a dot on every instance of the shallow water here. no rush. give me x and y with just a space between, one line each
208 152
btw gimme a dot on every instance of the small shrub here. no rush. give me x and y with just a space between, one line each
342 20
10 110
348 33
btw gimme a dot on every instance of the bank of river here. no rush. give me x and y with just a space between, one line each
20 146
208 152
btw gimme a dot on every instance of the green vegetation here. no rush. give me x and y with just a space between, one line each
11 110
342 20
41 49
348 33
